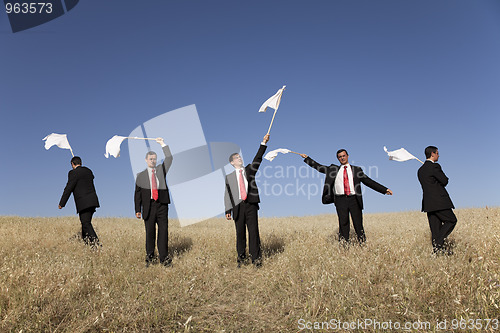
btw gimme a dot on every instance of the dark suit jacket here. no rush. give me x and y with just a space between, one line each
231 195
142 195
433 180
81 184
331 171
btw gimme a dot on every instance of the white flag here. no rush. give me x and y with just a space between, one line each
273 101
272 154
400 155
113 146
60 140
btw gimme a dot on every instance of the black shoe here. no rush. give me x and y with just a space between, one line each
242 261
151 260
167 262
257 263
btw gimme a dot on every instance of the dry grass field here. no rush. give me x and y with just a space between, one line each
51 282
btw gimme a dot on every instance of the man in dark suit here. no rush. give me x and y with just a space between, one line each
152 198
81 184
343 188
436 201
241 198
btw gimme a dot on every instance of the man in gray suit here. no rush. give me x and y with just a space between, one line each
436 201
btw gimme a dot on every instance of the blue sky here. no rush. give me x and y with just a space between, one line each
359 75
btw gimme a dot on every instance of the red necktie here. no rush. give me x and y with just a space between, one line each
347 190
154 186
243 191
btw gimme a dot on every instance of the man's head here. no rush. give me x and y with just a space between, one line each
236 160
75 162
432 153
151 159
343 156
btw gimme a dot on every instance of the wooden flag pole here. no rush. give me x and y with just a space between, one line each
295 152
274 115
419 160
71 150
272 120
137 138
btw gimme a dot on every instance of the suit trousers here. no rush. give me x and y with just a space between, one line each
158 214
346 205
88 233
248 219
442 223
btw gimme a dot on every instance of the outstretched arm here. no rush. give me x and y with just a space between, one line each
313 164
258 157
167 163
372 184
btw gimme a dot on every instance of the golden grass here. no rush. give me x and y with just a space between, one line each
51 282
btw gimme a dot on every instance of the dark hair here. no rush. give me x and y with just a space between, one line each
231 157
341 150
429 150
76 160
150 153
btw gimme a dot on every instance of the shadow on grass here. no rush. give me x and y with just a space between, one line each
272 245
179 245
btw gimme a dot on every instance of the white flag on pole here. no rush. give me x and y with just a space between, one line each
272 154
273 101
113 146
54 139
400 155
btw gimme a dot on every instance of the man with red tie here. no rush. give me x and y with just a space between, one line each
241 198
152 198
343 188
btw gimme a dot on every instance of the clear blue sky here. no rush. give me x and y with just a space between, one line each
359 75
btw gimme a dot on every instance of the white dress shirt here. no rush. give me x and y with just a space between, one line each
339 180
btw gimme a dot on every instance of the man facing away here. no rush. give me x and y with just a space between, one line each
436 201
151 199
81 184
343 188
241 199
